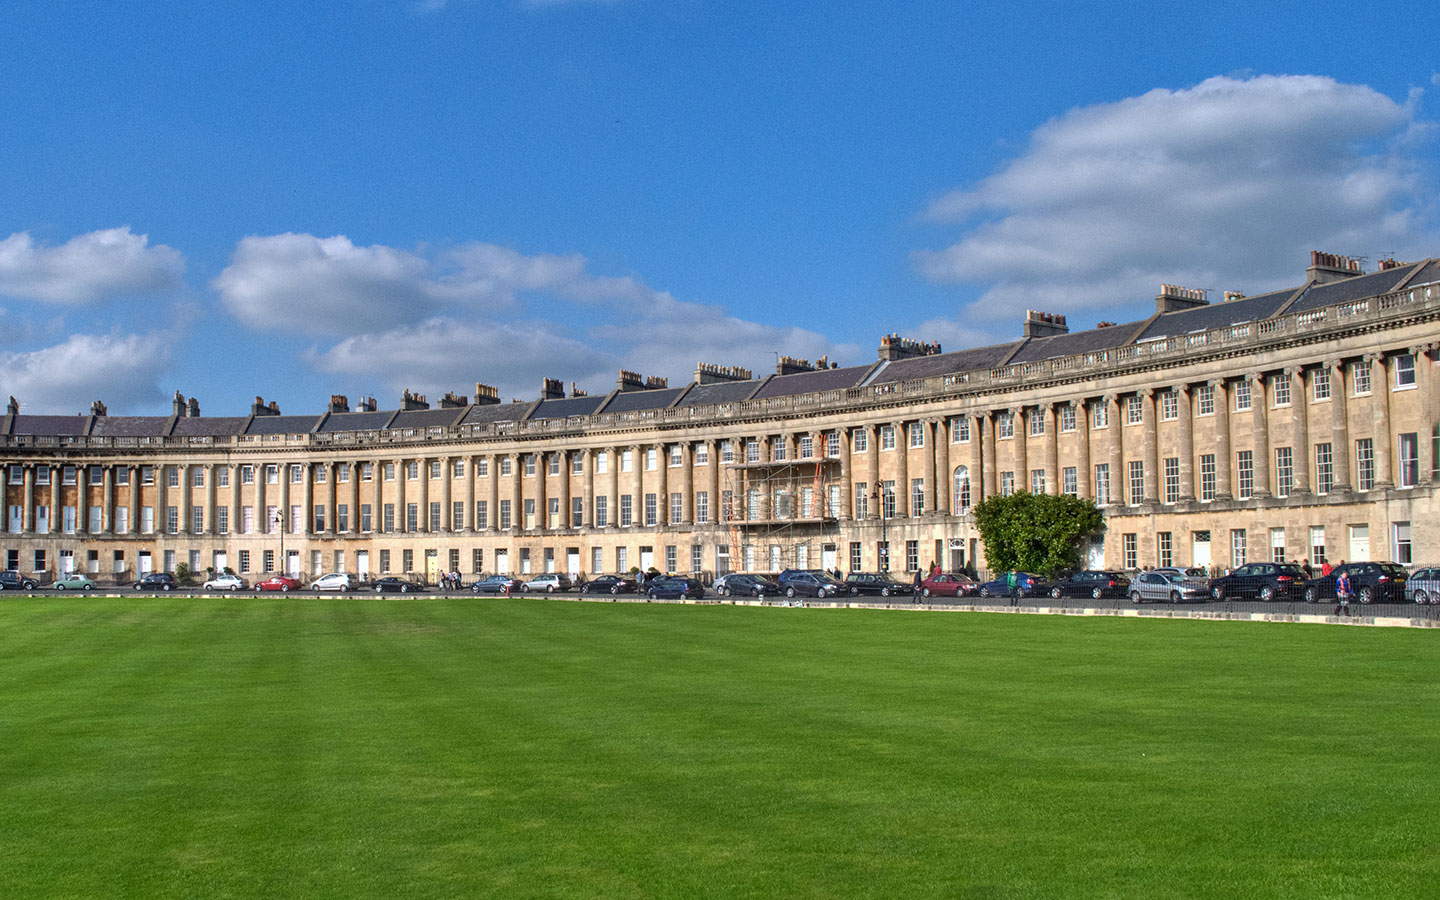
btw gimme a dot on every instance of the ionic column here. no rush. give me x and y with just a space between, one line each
1119 490
612 487
493 498
1300 428
354 497
1151 442
563 521
940 494
989 460
211 524
712 456
1340 425
1424 380
873 467
1380 406
470 494
56 519
377 498
307 499
902 469
1019 448
1052 449
107 500
662 486
422 502
847 481
1223 457
587 486
306 523
1187 442
1260 418
401 523
517 491
1084 477
27 524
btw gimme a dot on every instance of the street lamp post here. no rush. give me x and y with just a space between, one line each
879 497
278 520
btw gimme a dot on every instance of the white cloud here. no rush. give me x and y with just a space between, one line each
300 282
87 268
122 370
1225 185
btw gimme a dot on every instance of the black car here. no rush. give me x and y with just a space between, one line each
1093 583
810 583
156 581
1026 585
1370 582
609 584
881 584
392 585
14 581
744 584
675 587
498 584
1263 580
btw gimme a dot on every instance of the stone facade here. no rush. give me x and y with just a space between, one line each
1299 423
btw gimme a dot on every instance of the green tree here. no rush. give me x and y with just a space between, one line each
1040 533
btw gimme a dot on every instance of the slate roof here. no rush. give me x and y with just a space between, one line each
1091 341
282 424
356 421
719 392
818 380
131 426
631 401
561 408
1361 286
941 364
494 412
426 418
50 426
1217 315
213 426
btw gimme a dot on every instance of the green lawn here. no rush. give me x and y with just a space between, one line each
365 747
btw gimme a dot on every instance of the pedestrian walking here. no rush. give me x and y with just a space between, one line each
1325 568
918 579
1305 567
1342 593
1012 581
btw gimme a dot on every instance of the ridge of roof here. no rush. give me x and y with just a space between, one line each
1021 345
1293 299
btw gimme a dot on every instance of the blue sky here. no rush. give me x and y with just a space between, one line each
363 196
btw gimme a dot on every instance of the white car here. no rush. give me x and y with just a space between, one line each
225 583
335 581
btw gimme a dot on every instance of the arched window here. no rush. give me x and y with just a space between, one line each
962 490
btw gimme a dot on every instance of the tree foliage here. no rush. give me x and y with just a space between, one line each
1040 533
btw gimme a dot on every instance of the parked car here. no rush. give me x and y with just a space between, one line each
335 581
14 581
1190 573
609 584
75 581
745 584
810 583
1370 582
1264 580
548 583
156 581
282 583
1026 585
1170 586
497 584
674 586
1093 583
949 584
1423 585
393 585
881 584
225 583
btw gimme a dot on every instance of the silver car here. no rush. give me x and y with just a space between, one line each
1163 586
1423 585
548 583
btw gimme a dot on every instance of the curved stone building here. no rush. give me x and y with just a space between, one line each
1294 424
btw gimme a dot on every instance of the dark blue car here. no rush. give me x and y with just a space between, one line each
674 588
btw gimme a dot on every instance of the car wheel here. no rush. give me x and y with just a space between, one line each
884 592
925 592
166 587
984 592
550 589
59 587
1217 592
88 587
1366 594
1055 593
725 592
1311 595
344 588
1267 593
284 588
1097 593
790 592
615 589
1134 596
1421 597
1174 596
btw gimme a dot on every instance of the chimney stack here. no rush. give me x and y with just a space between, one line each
368 404
893 347
1173 298
789 365
177 405
192 408
409 401
339 403
486 395
575 391
259 408
1043 324
552 389
1326 268
452 400
709 373
97 409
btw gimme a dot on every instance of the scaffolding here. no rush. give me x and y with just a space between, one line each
782 513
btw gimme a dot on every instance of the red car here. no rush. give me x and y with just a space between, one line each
282 583
949 584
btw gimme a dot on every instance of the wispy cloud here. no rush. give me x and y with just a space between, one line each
124 370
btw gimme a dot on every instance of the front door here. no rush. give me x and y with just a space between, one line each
827 557
1200 548
432 566
362 564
